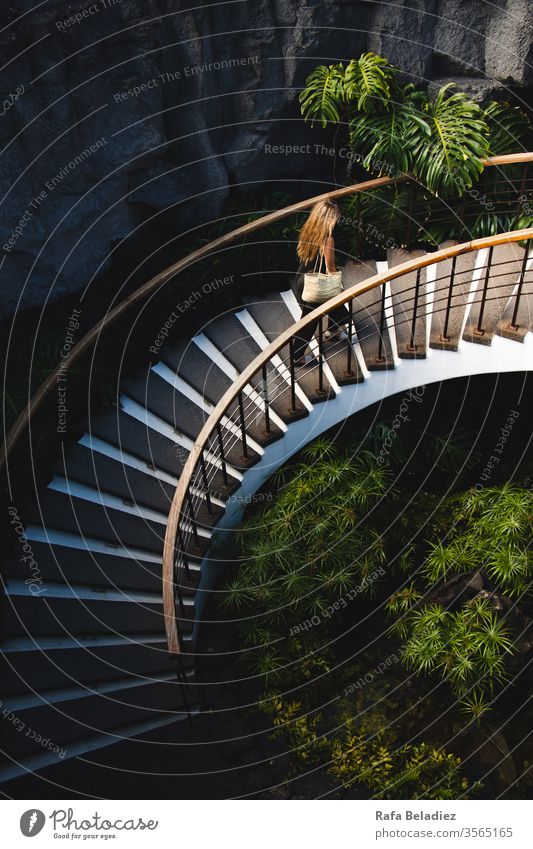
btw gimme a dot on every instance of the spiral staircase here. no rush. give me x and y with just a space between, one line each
85 662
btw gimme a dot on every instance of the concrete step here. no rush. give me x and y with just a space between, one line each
465 276
80 610
404 301
273 314
25 667
366 313
176 409
516 327
74 720
502 281
152 440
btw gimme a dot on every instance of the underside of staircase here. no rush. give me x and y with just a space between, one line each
84 661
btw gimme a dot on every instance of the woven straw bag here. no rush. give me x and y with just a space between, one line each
319 287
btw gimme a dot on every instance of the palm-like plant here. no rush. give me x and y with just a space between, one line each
450 157
387 136
467 647
508 128
443 141
324 96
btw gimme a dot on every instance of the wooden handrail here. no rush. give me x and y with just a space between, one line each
255 366
163 277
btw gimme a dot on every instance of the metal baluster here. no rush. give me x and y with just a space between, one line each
380 358
183 550
412 346
243 427
513 325
265 396
349 369
479 330
193 520
320 356
177 591
206 484
222 455
293 378
444 337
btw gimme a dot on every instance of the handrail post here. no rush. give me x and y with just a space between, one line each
293 376
479 329
380 358
513 325
321 355
183 551
265 397
193 519
243 427
181 678
222 455
206 484
412 346
349 368
444 336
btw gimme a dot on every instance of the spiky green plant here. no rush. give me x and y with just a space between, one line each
306 550
467 647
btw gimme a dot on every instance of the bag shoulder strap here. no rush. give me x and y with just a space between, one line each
320 258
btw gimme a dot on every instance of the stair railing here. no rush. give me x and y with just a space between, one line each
225 431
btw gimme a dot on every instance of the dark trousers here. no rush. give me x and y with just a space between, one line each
337 317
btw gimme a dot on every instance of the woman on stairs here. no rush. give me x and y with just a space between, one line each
316 247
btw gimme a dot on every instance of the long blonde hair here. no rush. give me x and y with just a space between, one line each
320 224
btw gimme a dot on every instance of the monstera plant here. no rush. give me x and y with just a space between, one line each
399 128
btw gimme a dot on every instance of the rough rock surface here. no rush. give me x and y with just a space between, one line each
218 84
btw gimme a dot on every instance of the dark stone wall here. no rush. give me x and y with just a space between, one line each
86 161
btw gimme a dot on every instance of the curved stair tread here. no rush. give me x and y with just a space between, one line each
182 414
273 314
516 326
465 274
502 281
96 714
151 440
80 666
94 742
366 317
404 300
103 473
58 563
230 337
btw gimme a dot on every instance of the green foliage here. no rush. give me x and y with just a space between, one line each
388 136
360 747
467 647
304 552
365 82
449 158
508 128
492 530
324 95
411 772
468 644
443 141
368 82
